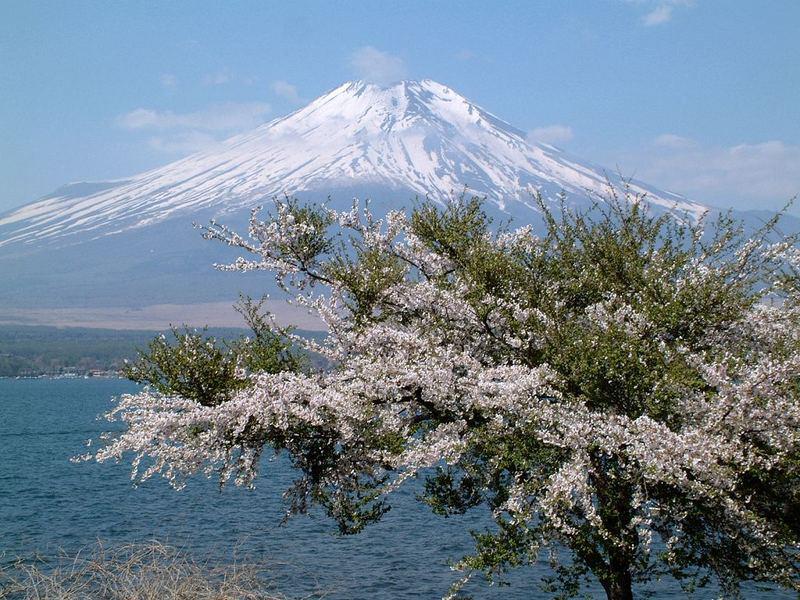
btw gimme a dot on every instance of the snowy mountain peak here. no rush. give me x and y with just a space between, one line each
409 138
400 106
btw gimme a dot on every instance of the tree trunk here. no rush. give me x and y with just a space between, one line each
614 495
619 586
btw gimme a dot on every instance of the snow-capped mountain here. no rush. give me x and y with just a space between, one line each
410 138
130 243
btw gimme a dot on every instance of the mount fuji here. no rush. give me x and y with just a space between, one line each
130 242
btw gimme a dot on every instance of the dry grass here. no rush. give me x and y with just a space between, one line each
152 571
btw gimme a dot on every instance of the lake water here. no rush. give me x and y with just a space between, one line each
47 503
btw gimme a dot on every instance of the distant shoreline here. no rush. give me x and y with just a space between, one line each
221 315
42 351
76 376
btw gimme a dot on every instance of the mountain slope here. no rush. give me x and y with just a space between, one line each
411 138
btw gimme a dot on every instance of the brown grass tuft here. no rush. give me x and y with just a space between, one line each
152 571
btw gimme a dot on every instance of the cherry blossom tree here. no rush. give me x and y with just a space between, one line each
620 392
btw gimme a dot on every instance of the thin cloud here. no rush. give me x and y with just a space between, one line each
551 134
376 66
671 140
183 142
217 78
757 175
659 15
181 133
169 81
287 91
225 77
660 11
219 117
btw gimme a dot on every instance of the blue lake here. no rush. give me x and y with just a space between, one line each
47 503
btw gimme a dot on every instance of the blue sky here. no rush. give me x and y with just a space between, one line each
701 97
